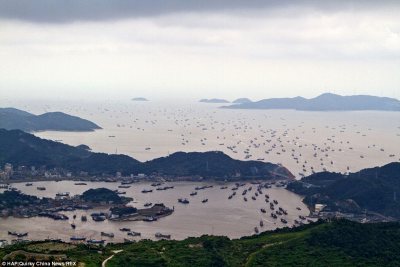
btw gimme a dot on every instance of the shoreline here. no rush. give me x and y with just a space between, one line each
155 179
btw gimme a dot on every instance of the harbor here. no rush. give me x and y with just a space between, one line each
219 215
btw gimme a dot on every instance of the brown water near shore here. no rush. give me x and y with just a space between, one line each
219 216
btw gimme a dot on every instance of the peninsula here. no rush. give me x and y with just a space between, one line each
11 118
24 151
371 190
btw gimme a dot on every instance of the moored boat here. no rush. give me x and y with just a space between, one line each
77 238
160 235
111 235
133 233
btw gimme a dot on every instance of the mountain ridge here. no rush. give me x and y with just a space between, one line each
324 102
21 148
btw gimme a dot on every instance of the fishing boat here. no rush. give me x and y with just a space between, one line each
80 183
144 191
150 219
98 217
205 200
125 229
111 235
18 234
62 194
77 238
126 182
183 200
160 235
133 233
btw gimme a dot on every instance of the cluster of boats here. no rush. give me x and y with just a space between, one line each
128 231
53 215
99 216
253 191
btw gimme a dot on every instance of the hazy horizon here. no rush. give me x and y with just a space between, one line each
186 50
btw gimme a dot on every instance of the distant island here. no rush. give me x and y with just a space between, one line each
374 190
24 149
324 102
139 99
213 100
12 118
242 101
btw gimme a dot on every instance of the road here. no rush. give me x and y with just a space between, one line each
103 264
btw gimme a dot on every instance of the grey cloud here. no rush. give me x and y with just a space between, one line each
64 11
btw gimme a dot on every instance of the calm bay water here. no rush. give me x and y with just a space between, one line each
219 216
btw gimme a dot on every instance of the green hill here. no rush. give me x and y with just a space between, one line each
214 163
20 148
337 243
375 189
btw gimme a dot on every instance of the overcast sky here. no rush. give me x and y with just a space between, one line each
99 49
